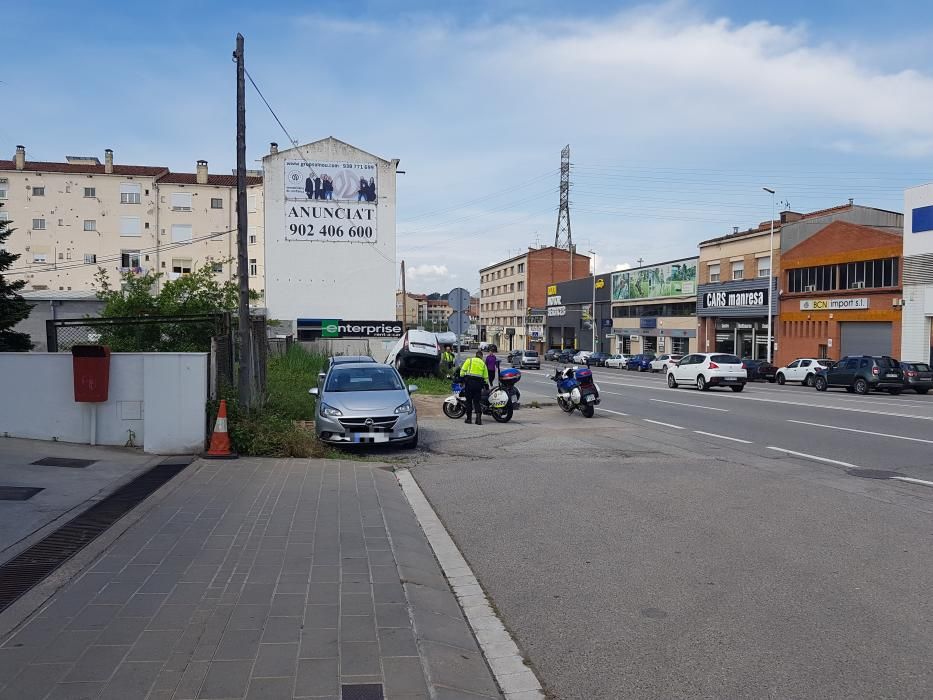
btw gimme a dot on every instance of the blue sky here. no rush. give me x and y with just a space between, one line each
677 112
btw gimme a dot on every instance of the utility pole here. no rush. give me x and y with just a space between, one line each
404 302
563 236
593 313
770 274
245 376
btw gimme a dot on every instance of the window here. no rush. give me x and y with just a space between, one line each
129 193
129 259
251 203
181 232
38 191
521 267
764 266
39 257
4 216
217 203
253 267
181 266
90 191
4 187
219 267
251 231
738 270
90 259
521 286
129 226
90 224
680 346
181 201
713 273
38 224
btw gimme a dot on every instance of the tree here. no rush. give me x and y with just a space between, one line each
13 308
199 292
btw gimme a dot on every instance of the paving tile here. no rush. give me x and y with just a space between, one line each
117 592
238 644
458 668
358 628
390 592
381 557
97 663
396 641
257 593
393 615
271 688
94 617
384 573
403 675
246 617
143 605
67 646
433 600
187 593
318 643
172 617
355 565
287 604
154 646
34 682
356 604
321 615
359 658
323 593
75 691
276 660
435 627
226 679
159 583
316 677
123 630
191 680
281 630
132 680
325 573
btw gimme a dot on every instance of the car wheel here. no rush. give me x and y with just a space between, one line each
921 391
780 379
665 369
860 386
738 388
399 365
820 383
671 382
701 383
894 392
808 380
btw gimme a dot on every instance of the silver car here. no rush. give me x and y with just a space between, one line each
365 403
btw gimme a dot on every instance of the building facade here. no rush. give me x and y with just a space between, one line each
571 321
409 315
79 216
654 308
841 294
917 322
510 288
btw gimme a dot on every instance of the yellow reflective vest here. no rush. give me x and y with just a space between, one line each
475 367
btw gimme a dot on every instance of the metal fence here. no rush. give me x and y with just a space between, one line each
191 333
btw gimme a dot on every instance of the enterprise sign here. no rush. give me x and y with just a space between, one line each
757 298
313 328
834 304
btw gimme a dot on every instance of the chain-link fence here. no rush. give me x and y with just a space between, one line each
138 334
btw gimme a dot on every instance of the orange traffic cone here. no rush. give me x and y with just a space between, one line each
220 439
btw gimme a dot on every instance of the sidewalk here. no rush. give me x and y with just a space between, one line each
257 578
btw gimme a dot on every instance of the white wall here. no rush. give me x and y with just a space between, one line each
322 279
918 298
161 397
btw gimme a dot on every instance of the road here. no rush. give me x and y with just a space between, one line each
701 545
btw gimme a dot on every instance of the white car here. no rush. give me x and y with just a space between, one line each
707 369
663 362
801 370
580 357
617 361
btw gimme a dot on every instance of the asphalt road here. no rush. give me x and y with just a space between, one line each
693 560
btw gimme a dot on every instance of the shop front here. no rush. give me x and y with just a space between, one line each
570 320
734 317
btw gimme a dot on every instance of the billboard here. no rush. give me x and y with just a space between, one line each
332 201
314 328
667 280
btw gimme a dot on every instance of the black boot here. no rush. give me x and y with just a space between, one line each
469 419
479 419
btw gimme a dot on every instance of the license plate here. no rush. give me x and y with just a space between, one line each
363 438
730 379
589 398
892 375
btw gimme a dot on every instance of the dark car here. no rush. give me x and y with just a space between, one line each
861 374
597 359
641 363
513 355
566 356
759 370
917 376
552 355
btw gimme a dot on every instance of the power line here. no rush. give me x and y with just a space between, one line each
269 107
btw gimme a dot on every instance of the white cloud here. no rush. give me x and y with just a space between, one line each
424 273
622 266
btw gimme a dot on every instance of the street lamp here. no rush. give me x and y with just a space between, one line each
770 271
593 313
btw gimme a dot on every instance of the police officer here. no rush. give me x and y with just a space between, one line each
476 378
447 359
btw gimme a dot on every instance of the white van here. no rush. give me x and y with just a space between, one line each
416 351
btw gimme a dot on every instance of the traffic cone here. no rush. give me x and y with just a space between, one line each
220 439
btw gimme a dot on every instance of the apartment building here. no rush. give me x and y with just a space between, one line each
509 289
406 309
77 216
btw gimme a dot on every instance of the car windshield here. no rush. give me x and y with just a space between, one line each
344 379
888 363
726 359
825 363
530 353
921 367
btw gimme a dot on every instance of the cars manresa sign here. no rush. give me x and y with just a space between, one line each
834 304
331 201
756 298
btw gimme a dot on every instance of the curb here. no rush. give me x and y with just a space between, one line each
515 678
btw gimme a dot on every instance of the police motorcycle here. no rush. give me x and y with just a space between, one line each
500 402
576 390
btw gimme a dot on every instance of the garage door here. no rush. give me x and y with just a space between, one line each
866 338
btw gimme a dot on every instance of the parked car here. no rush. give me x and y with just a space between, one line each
512 355
527 359
861 374
415 351
580 357
640 363
759 369
566 356
917 376
707 369
552 355
662 362
365 403
345 359
597 359
616 361
801 370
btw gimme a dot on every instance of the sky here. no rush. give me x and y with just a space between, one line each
677 113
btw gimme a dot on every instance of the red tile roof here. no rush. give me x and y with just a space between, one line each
220 180
822 212
85 168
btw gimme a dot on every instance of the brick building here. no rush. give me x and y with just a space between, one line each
841 294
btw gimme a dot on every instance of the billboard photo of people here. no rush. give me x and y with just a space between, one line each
669 280
328 181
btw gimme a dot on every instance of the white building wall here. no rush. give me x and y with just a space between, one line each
917 318
322 279
160 397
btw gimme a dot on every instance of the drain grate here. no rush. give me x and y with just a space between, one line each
872 473
64 462
361 691
30 566
17 493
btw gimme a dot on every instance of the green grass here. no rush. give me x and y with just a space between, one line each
288 378
430 386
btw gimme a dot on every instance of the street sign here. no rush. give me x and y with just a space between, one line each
458 299
458 322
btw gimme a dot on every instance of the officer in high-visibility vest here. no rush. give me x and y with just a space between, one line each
475 377
447 359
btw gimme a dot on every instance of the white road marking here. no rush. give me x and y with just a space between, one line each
724 437
855 430
666 425
606 410
502 655
834 408
911 480
691 405
816 457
